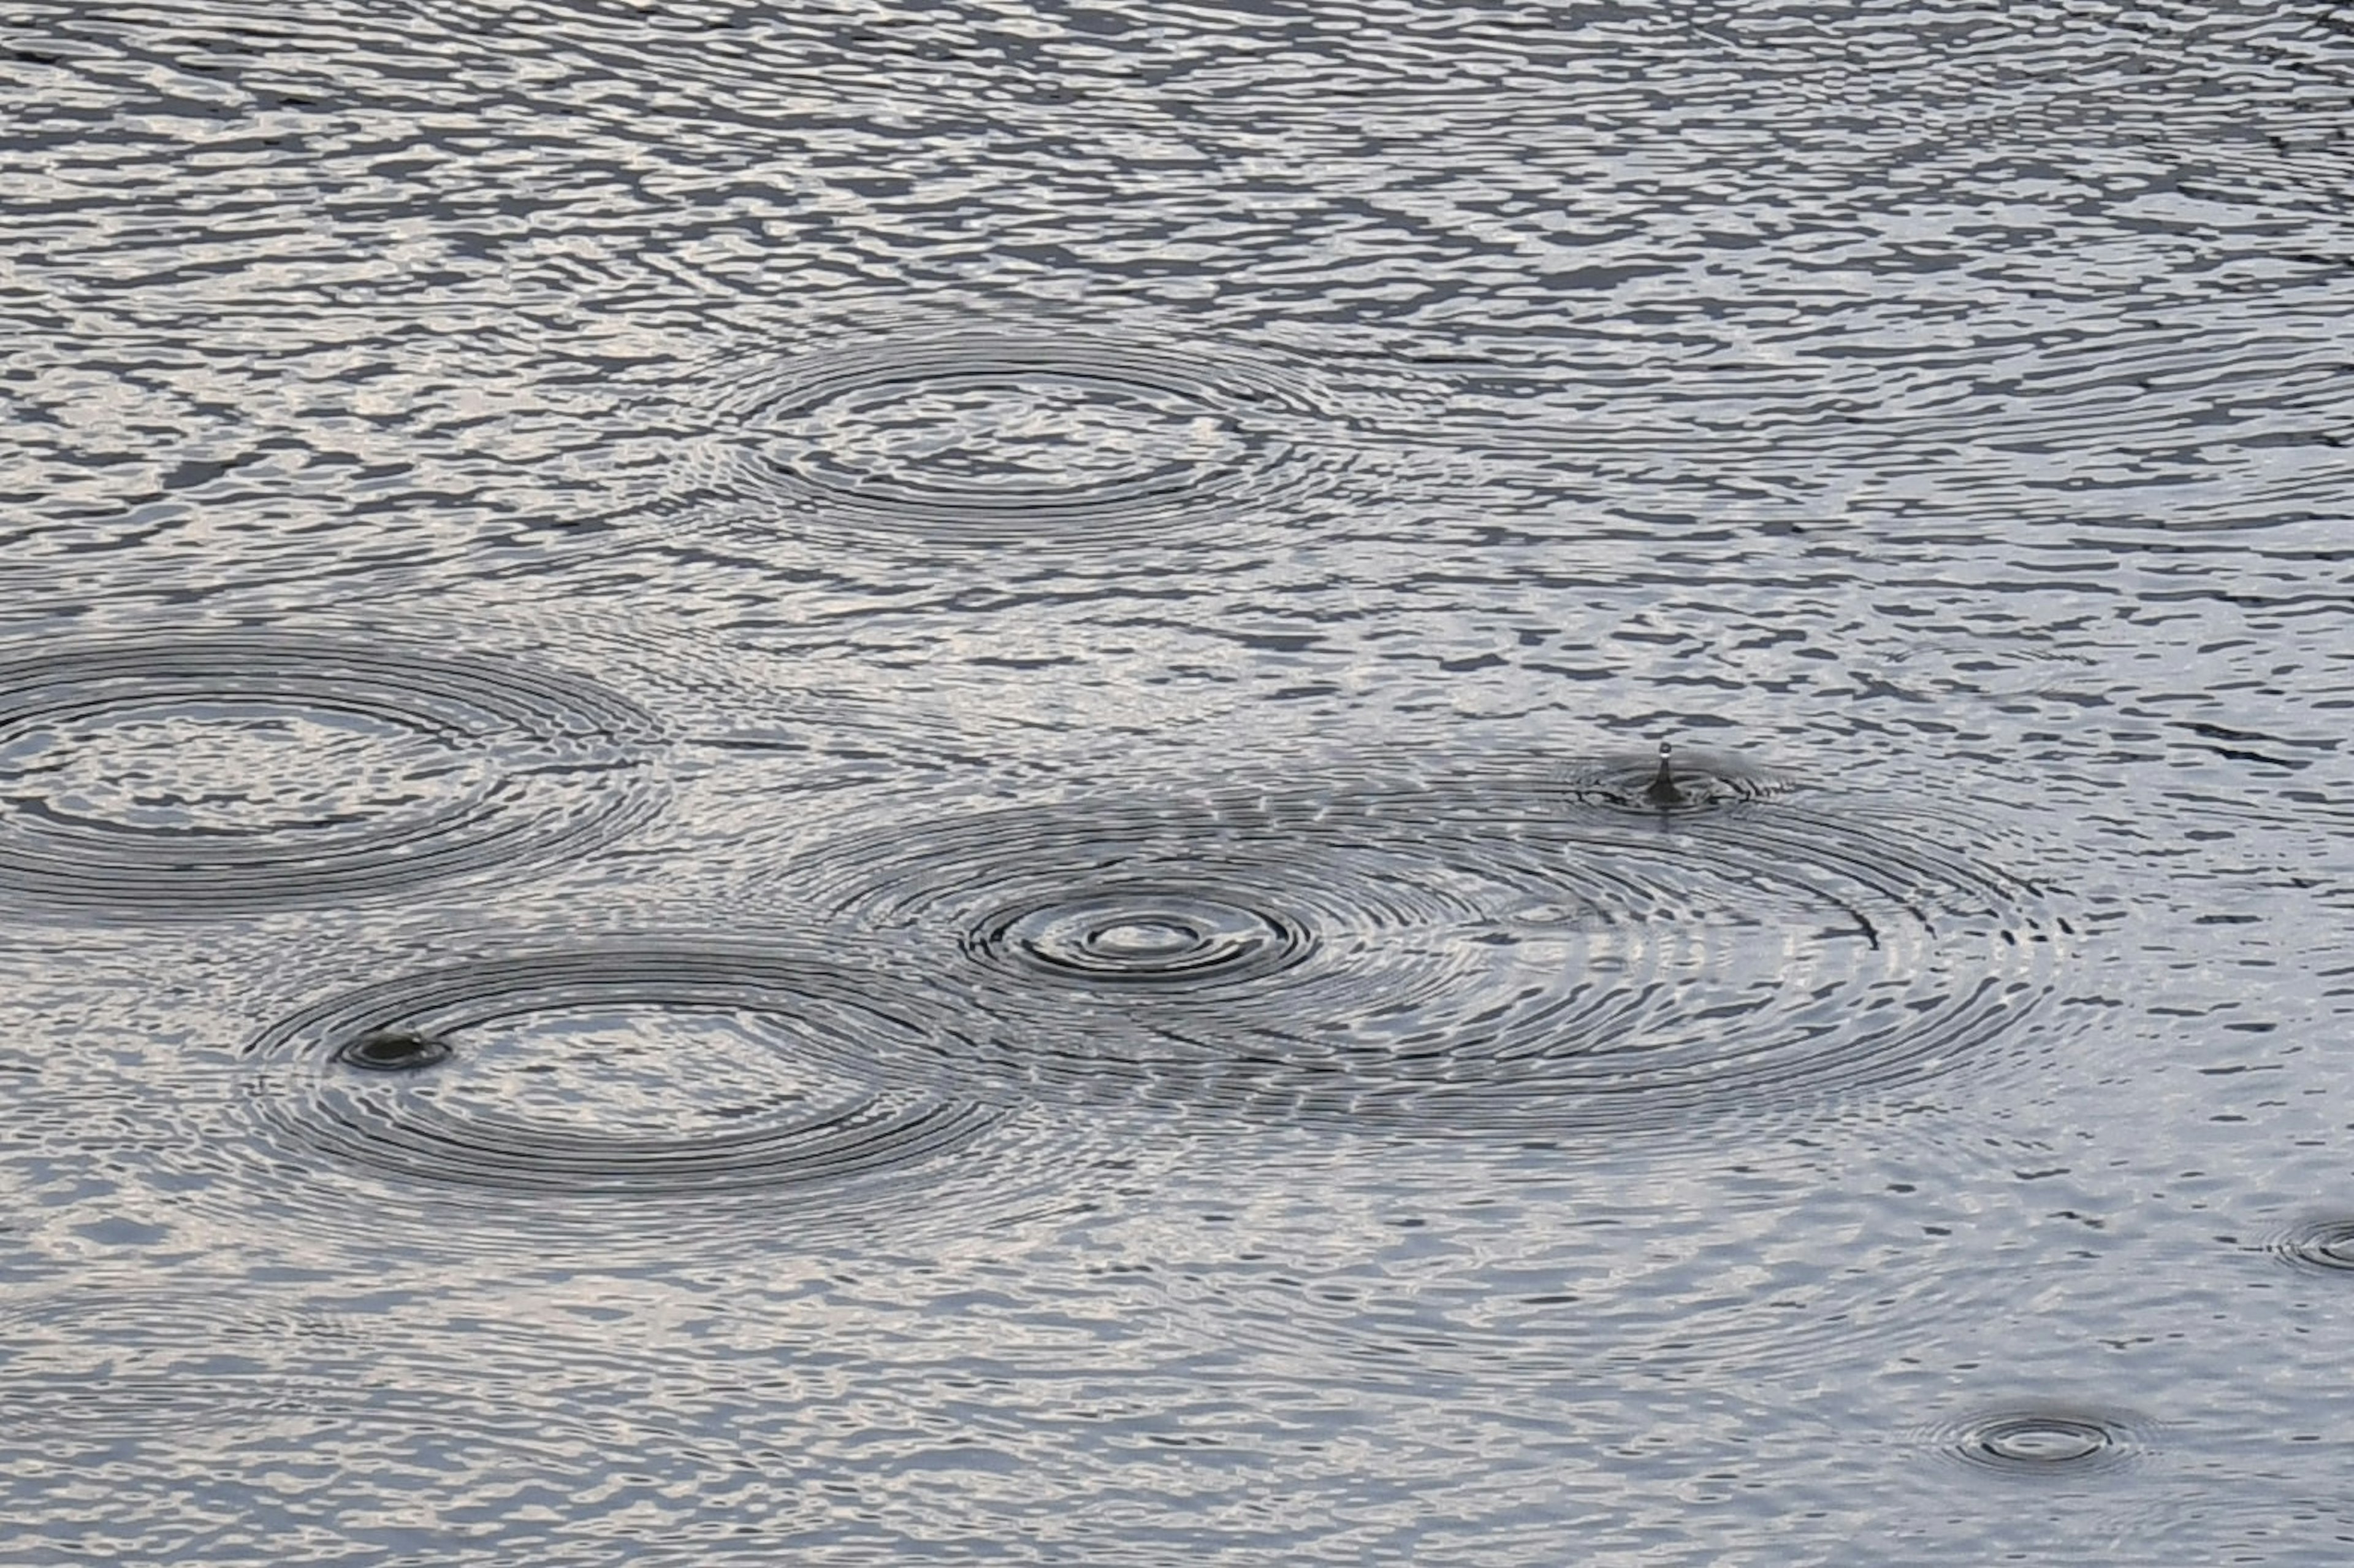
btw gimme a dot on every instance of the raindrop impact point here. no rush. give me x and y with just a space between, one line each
394 1050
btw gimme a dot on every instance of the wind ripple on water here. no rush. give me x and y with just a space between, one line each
193 1419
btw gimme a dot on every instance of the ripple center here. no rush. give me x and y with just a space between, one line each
1144 935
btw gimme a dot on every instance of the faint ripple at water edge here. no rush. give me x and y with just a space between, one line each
1047 440
2132 1487
186 777
2325 1243
1488 957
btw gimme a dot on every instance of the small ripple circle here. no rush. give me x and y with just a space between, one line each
189 775
2323 1244
2043 1442
617 1071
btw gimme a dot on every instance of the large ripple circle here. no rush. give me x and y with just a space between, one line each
190 776
990 437
618 1073
1454 956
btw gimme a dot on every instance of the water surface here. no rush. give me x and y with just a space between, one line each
866 785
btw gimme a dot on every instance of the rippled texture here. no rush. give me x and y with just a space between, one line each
190 777
995 675
1673 781
336 1428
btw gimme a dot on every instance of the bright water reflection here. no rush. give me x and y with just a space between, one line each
852 786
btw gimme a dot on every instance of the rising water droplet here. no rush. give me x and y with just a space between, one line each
1679 780
1662 791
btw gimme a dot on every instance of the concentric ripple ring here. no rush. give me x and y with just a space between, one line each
189 775
2323 1244
992 437
620 1071
1142 935
2040 1442
1452 957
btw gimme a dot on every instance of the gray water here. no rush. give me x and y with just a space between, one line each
844 784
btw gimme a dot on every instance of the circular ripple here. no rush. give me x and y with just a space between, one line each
1450 957
618 1072
1142 935
2043 1442
2319 1244
186 777
993 437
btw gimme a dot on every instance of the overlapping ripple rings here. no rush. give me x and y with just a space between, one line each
991 437
618 1072
184 777
1462 956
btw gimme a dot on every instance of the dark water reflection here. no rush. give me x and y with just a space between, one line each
857 786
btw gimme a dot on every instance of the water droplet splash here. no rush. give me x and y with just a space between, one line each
1143 936
1663 790
984 436
1677 780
